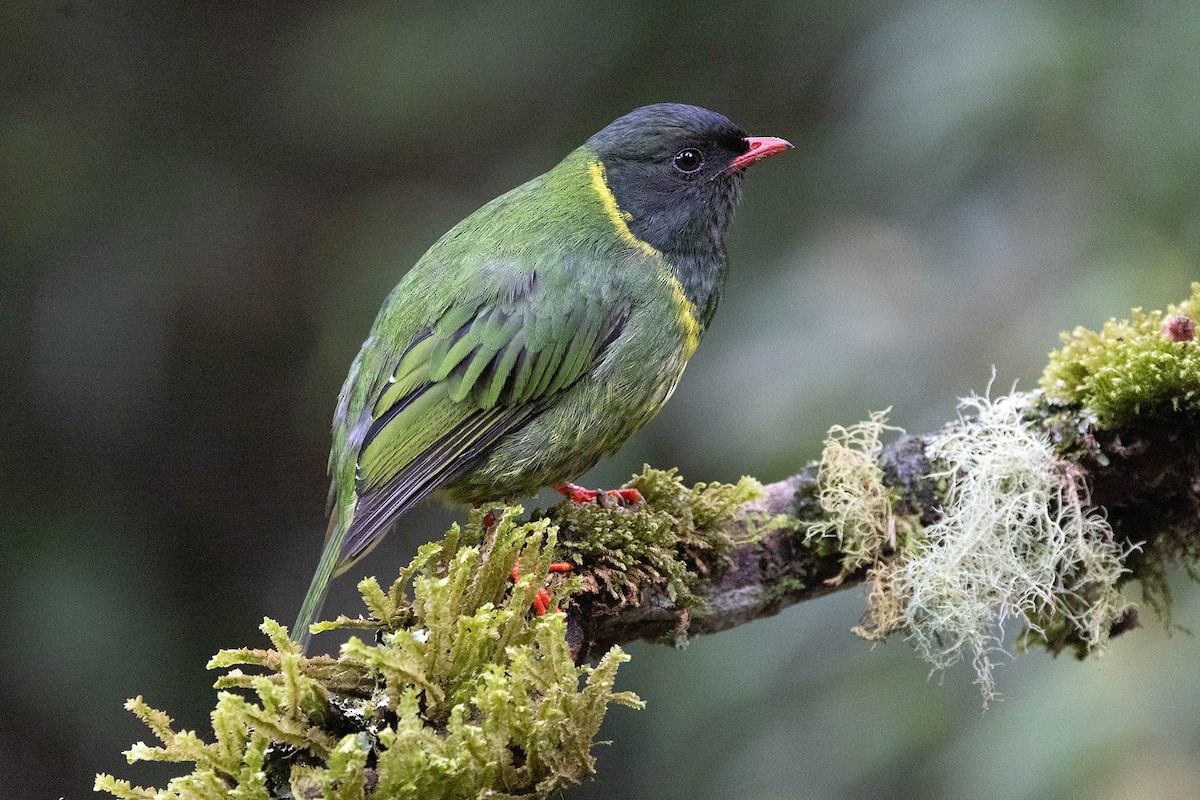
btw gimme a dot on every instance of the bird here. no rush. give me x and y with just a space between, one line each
540 332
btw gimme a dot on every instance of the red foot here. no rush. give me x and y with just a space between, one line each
541 603
579 495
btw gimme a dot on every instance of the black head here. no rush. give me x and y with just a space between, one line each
677 170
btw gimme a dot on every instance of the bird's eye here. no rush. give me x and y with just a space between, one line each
689 160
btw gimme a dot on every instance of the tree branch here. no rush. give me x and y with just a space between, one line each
1038 506
1145 475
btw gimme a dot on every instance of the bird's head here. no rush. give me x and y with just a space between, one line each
676 170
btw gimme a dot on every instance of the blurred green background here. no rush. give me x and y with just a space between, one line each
203 204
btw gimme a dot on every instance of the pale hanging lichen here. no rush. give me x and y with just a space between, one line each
1017 537
856 505
1016 540
469 695
885 613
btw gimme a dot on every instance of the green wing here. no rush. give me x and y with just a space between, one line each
482 370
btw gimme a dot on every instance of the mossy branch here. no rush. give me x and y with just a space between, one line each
1037 505
1145 476
1040 506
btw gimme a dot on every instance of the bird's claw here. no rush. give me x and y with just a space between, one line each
579 495
629 496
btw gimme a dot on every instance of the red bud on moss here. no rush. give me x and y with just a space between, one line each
1180 328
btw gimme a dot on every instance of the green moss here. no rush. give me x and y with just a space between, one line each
677 535
468 696
1130 368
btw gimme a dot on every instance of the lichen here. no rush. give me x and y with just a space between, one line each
885 613
679 534
856 505
468 695
1016 539
1134 367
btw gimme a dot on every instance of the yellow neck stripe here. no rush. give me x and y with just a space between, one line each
687 313
620 221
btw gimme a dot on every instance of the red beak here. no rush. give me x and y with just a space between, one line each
760 148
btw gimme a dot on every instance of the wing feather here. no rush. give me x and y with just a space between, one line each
442 462
480 371
505 360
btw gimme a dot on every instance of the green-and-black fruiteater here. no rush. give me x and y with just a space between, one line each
541 332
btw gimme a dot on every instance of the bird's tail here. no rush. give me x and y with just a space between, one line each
318 590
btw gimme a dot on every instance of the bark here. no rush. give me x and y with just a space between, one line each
1145 477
